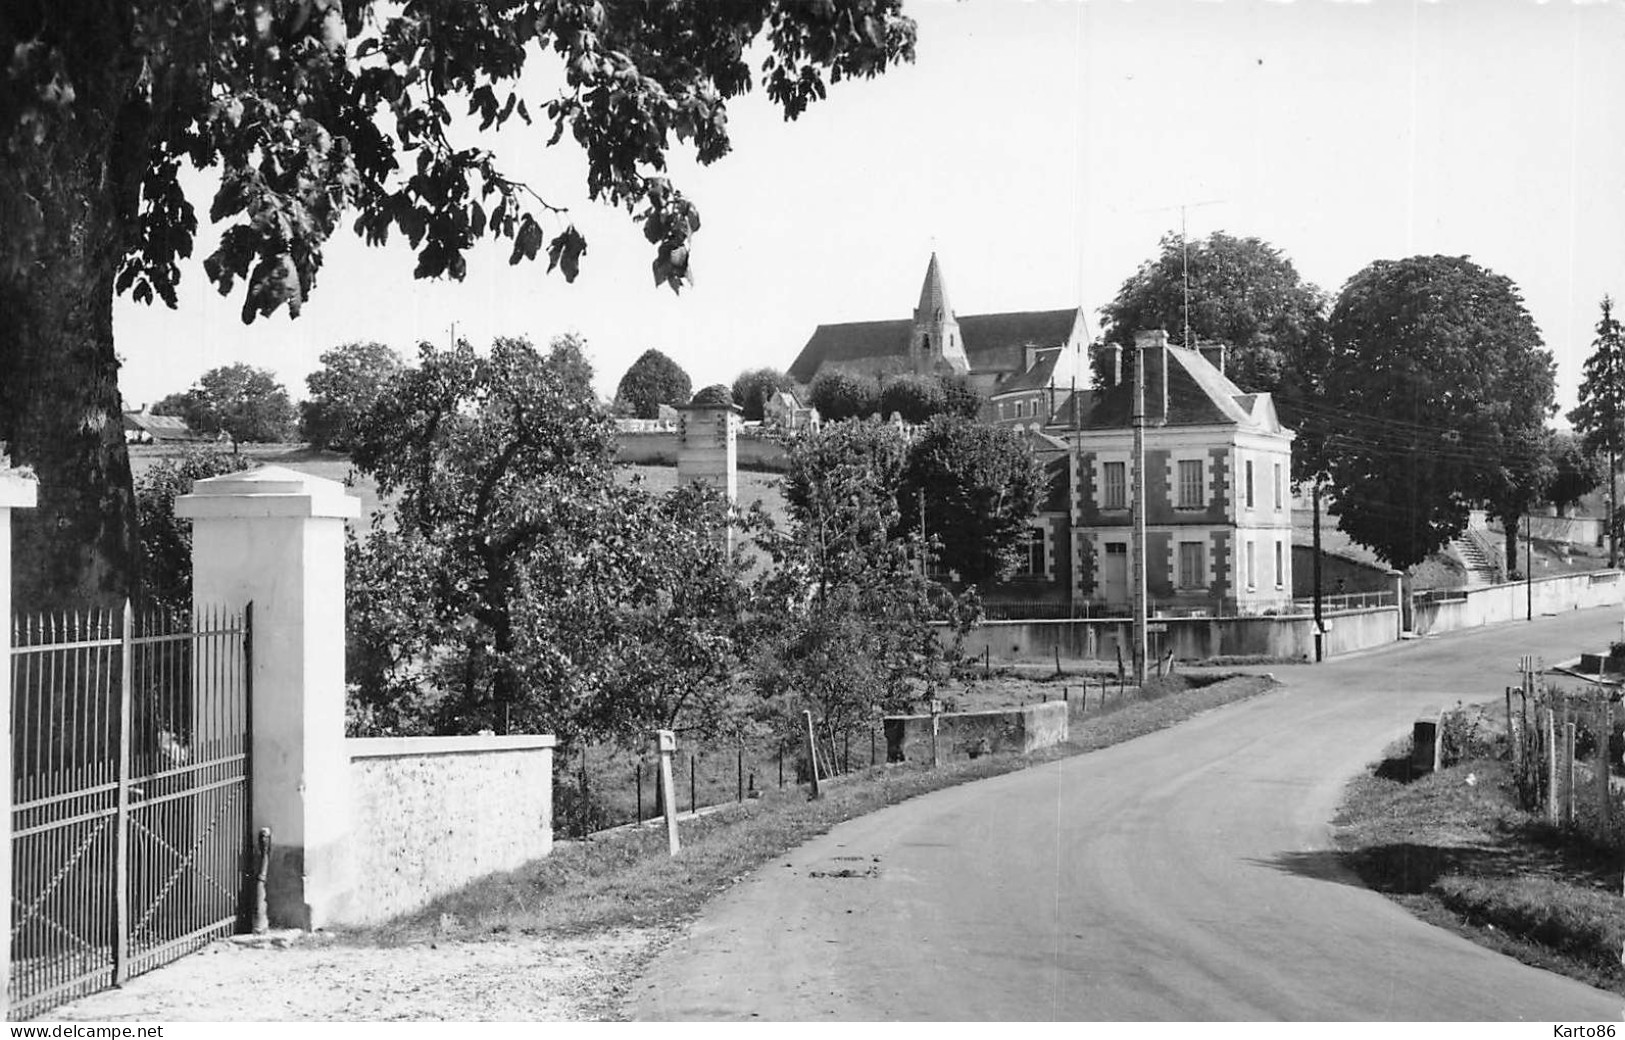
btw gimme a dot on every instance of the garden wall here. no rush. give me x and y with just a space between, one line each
431 814
965 734
1191 639
1471 608
659 448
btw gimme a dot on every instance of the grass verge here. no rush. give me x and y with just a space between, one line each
625 879
1454 849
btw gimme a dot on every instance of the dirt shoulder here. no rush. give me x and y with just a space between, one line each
317 979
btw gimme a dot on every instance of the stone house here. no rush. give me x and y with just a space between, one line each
1218 501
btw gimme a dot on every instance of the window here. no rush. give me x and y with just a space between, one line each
1190 484
1279 571
1249 484
1031 552
1277 487
1252 572
1192 574
1021 409
1116 483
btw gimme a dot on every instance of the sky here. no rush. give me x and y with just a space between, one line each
1041 148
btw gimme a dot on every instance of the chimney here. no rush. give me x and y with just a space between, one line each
1114 363
1215 354
1152 346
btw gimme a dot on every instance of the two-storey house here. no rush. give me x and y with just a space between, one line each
1217 497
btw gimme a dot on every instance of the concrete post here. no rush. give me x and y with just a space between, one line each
1399 602
275 538
666 745
17 491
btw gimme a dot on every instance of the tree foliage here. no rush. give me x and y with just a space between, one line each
960 397
1576 472
753 387
841 395
244 403
1244 293
915 398
1445 387
350 380
1599 418
317 112
979 485
166 542
862 640
652 380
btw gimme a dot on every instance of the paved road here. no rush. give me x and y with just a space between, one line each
1180 876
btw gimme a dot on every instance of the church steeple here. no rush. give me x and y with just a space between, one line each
935 344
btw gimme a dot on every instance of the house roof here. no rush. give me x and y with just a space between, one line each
161 427
1197 394
993 342
1035 378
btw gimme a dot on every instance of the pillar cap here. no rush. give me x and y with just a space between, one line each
19 489
270 491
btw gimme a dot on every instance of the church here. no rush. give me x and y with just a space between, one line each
1015 358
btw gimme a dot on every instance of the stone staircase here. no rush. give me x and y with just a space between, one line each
1481 566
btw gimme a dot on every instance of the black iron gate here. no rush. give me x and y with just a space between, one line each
130 794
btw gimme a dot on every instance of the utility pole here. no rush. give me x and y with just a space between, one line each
1319 623
1137 556
1528 566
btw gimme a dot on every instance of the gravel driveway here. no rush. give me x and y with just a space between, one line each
313 978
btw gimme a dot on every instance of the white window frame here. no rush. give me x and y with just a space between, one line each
1280 566
1252 566
1106 484
1179 483
1039 535
1247 468
1278 498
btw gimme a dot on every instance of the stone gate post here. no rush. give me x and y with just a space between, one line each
18 490
275 538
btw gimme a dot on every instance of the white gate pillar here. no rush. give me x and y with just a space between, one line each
275 538
18 490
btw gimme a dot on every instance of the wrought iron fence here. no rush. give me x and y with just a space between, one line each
130 793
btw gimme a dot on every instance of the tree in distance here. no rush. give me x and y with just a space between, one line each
841 395
753 387
1445 387
1243 292
915 398
979 485
1576 472
351 378
1599 418
244 403
314 114
652 380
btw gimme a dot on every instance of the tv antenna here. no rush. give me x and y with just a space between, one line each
1185 250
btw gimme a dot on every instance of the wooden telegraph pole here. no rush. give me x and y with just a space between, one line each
1137 549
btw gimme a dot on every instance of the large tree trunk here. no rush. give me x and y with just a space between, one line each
70 197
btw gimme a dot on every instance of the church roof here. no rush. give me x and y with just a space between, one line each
933 293
992 341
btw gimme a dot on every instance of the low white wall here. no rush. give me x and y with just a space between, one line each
1191 639
431 814
1489 604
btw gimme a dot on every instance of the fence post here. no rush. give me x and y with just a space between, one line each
1568 772
275 538
17 491
1605 799
812 752
666 744
1551 765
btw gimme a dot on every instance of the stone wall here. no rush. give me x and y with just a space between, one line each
431 814
971 733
